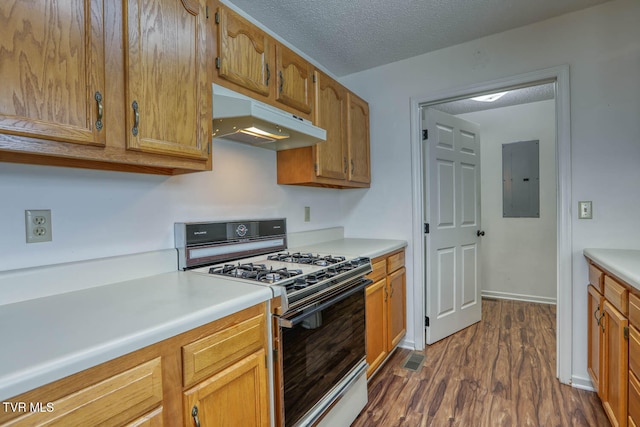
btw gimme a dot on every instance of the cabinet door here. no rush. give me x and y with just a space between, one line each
376 313
243 52
330 114
114 401
294 80
594 309
236 396
396 284
168 88
52 69
615 365
358 139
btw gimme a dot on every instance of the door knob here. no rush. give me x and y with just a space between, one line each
479 233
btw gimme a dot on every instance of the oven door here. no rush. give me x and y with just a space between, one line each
322 345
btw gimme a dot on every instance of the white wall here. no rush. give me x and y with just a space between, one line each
602 47
518 255
98 214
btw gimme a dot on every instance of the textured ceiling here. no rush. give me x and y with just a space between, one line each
513 97
349 36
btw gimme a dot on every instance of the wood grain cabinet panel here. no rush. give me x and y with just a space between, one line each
295 80
358 140
376 313
634 310
330 115
167 81
122 86
52 68
616 294
594 357
615 365
396 282
343 160
243 53
596 278
236 396
114 401
211 354
634 401
386 308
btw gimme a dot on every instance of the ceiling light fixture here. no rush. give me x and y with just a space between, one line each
491 97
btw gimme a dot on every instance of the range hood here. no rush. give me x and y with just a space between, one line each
240 118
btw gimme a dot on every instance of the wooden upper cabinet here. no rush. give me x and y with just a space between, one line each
167 83
294 76
52 69
243 53
330 114
358 139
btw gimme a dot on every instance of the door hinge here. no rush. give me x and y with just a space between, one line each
315 167
207 12
314 78
217 16
426 228
426 321
218 62
209 148
626 332
425 134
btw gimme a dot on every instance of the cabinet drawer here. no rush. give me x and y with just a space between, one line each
634 310
114 401
596 277
616 294
379 269
634 400
634 350
206 356
395 261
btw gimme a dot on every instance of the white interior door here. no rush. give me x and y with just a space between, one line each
451 166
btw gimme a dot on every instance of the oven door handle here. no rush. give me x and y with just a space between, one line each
290 323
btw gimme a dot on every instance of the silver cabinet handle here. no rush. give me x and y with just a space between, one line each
194 414
281 81
136 121
98 98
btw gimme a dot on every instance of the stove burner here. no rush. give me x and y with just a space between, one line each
306 258
272 276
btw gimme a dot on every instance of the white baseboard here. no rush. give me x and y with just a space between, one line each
519 297
582 383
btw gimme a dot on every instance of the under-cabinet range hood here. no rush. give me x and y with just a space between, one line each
240 118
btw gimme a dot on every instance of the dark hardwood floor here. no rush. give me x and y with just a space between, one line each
498 372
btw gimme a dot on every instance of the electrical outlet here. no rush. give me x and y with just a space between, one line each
38 225
584 210
307 213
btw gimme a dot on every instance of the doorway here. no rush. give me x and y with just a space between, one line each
559 76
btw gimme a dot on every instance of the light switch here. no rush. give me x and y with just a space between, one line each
584 210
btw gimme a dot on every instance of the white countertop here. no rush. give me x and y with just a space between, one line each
49 338
371 248
624 263
52 328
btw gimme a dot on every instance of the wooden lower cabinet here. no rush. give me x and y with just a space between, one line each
594 357
220 368
614 345
385 308
397 326
615 365
376 313
236 396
